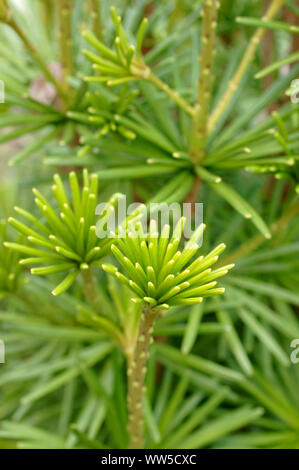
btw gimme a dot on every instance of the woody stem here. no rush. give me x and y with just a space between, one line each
96 18
65 38
90 289
136 377
202 105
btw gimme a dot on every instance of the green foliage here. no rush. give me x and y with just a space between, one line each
160 275
10 270
162 102
122 65
67 241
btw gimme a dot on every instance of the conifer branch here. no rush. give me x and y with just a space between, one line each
247 59
6 17
125 62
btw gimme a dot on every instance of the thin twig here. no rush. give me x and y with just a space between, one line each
247 58
47 14
172 94
4 10
8 19
65 40
96 18
202 105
